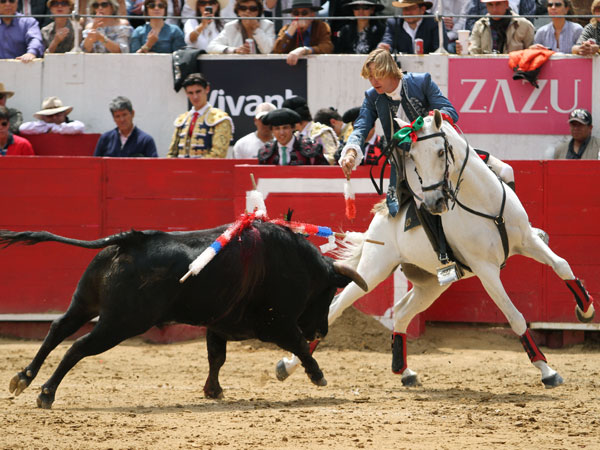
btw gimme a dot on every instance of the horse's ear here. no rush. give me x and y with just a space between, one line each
437 119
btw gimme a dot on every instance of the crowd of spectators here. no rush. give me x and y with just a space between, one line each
242 26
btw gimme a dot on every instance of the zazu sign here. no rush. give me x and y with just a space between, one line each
488 100
239 86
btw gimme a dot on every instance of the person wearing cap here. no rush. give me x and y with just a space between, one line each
499 34
303 36
126 140
588 42
53 118
205 25
20 37
362 35
320 133
373 147
289 148
15 117
10 143
582 144
233 37
58 35
401 32
249 145
204 131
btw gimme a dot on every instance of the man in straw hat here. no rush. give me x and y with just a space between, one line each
499 34
303 36
20 37
52 118
400 33
289 148
15 116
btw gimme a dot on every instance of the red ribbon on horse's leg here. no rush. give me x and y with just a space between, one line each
533 351
582 297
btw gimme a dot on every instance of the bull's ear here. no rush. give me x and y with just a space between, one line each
437 119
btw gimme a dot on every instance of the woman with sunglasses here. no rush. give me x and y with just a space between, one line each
361 36
233 38
58 35
587 44
156 36
106 34
559 35
199 32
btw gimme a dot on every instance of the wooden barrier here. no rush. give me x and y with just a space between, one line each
89 198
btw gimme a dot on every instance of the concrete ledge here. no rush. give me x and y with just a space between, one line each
564 326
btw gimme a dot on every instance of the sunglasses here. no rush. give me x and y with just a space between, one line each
96 5
153 5
252 8
4 123
300 12
554 5
59 3
8 1
362 7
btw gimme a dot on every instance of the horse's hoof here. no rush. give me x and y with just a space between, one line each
321 382
587 317
45 399
18 383
552 381
280 371
411 380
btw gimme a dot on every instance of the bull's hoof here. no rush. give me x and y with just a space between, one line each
216 394
45 399
552 381
281 371
19 383
321 382
585 318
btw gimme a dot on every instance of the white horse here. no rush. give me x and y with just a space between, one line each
451 172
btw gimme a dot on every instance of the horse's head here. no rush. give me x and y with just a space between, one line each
432 156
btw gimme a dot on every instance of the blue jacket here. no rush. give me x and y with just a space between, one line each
401 42
138 144
421 89
424 95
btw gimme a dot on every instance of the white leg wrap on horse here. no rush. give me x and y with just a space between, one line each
507 173
546 370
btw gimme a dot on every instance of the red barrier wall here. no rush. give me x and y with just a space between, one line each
92 197
53 144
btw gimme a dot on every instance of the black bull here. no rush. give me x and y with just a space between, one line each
270 284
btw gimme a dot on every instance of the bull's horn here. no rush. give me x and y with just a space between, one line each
352 274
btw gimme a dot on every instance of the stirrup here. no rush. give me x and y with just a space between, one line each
449 273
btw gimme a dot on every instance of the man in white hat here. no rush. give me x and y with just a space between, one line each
15 116
52 118
401 32
249 145
499 34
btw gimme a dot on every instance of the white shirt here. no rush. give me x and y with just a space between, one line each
247 147
412 32
288 148
41 127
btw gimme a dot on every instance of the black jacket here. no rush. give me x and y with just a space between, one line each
348 36
400 41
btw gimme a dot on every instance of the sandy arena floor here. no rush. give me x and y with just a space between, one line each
478 391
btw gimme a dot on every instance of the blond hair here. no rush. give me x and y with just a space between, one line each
380 64
595 4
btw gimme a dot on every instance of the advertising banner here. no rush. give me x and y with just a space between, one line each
239 86
488 100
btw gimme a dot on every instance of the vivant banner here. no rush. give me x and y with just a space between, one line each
488 100
239 86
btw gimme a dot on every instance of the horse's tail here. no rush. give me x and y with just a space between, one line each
350 249
8 238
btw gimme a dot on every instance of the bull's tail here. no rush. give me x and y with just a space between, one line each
8 238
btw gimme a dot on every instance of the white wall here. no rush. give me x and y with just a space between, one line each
89 81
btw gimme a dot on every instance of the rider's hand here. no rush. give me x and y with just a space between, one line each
348 163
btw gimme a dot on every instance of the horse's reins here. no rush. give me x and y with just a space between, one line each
453 194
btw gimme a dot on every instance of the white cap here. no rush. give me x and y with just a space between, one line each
263 109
